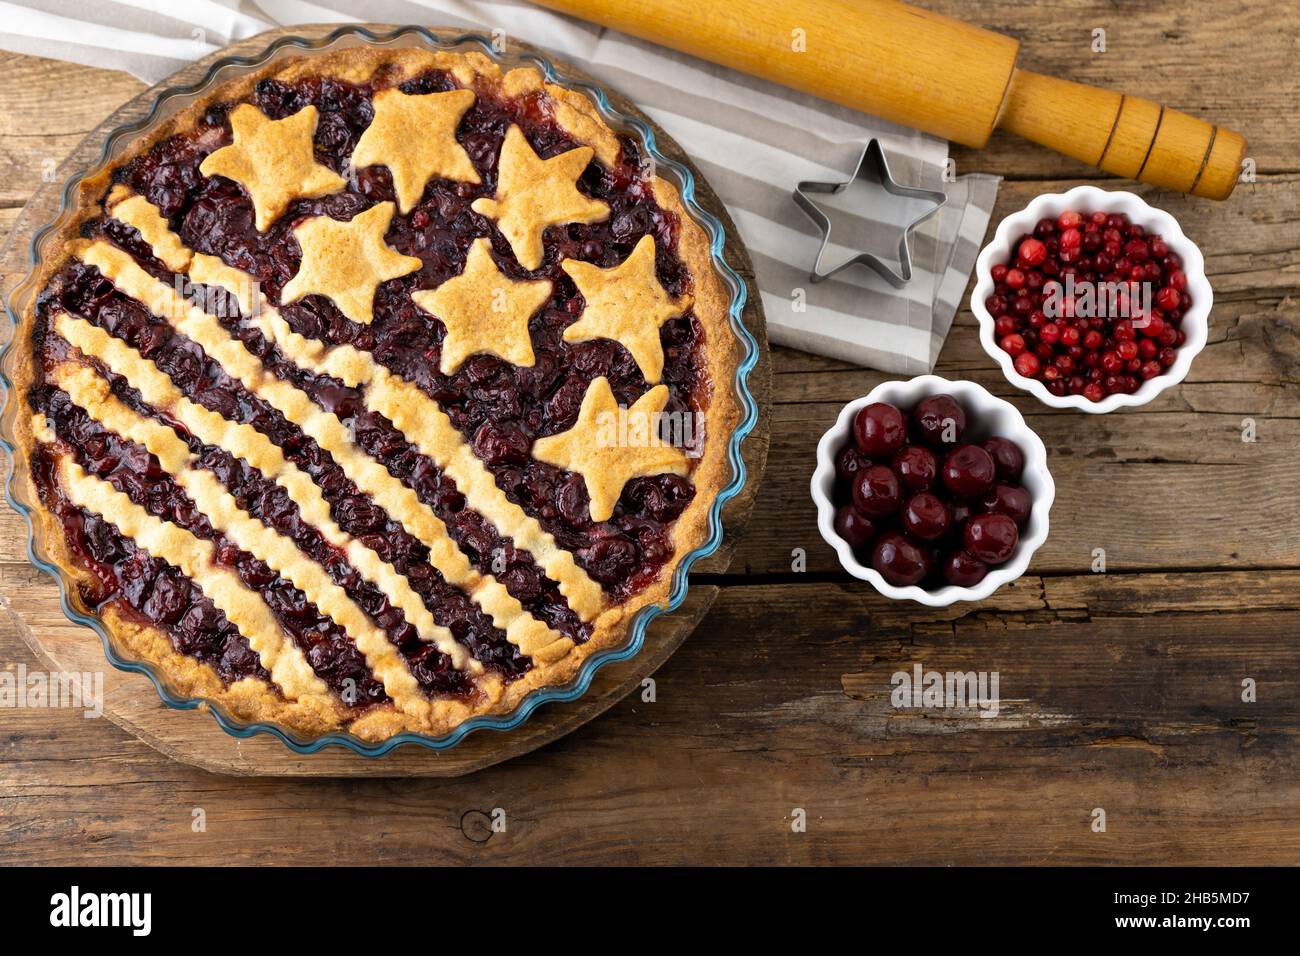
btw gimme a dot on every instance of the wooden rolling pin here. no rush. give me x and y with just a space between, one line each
934 73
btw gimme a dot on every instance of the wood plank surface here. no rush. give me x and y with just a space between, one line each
1120 691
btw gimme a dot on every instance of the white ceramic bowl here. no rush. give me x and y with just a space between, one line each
986 416
1088 199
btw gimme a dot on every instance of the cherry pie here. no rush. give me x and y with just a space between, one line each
356 390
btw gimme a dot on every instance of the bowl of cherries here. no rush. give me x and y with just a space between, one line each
932 490
1092 299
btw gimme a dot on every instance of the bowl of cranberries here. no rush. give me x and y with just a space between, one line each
932 490
1092 299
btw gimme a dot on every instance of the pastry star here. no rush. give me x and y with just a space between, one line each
274 160
534 194
415 137
484 311
608 454
347 261
626 304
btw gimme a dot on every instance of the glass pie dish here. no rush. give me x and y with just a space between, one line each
165 106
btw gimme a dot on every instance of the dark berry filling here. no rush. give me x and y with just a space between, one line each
155 592
82 292
521 404
501 409
487 551
159 592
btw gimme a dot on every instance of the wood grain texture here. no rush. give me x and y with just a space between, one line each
1120 691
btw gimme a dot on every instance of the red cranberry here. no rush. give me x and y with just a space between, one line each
854 527
1010 500
1033 252
968 471
916 467
991 537
939 420
879 430
1012 344
1137 250
925 516
1154 327
1091 247
964 570
877 491
1008 459
1028 364
899 561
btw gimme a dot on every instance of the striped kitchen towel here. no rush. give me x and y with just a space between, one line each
753 140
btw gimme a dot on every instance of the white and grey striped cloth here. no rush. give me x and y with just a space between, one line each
752 139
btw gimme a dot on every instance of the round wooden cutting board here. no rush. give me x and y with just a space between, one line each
32 605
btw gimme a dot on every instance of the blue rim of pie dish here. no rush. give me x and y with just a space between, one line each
637 632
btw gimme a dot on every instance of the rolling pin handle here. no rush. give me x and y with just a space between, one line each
1124 135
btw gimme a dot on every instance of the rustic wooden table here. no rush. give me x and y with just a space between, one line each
1120 691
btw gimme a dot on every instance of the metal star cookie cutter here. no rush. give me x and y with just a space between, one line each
872 168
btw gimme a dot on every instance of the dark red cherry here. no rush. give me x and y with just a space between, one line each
968 471
1008 459
991 538
854 527
939 420
879 429
849 462
1010 500
876 491
899 561
925 516
916 467
964 569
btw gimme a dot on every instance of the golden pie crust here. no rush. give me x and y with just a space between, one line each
309 710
